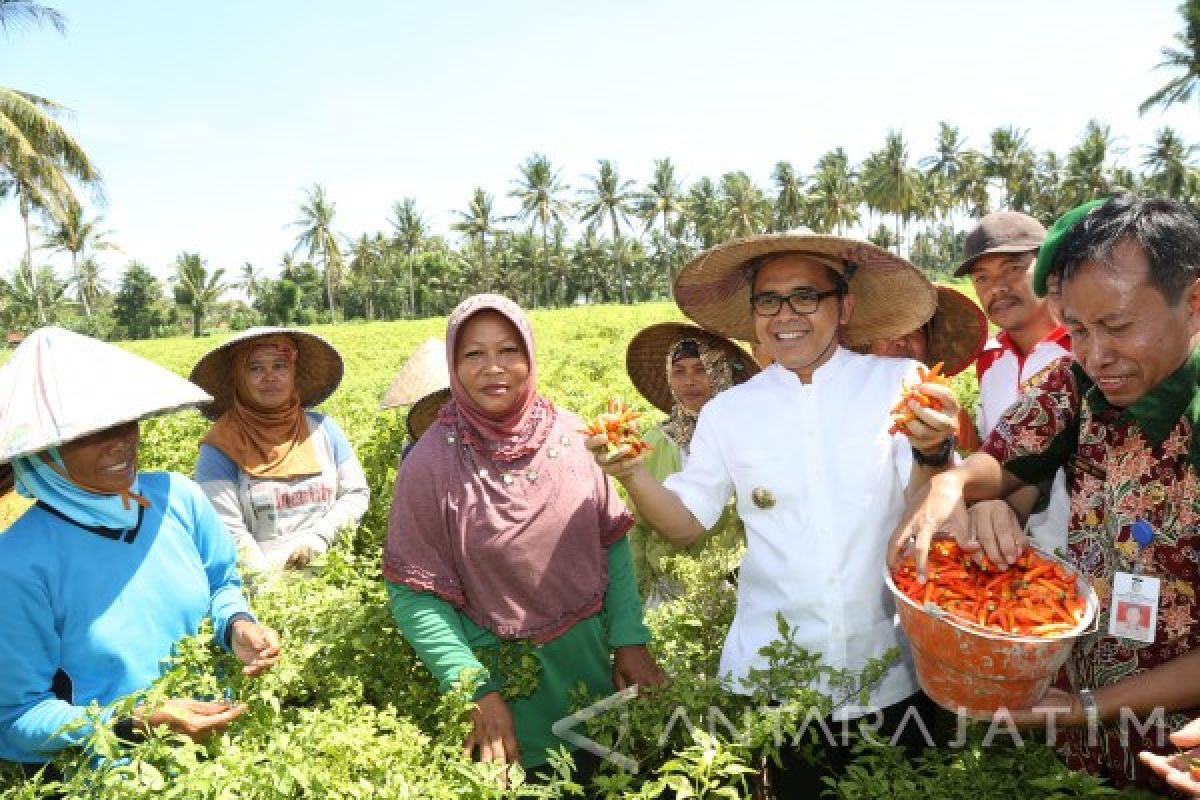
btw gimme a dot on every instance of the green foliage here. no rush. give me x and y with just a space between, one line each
139 307
996 773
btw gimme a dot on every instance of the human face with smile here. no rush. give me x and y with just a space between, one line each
690 383
105 461
1123 332
491 363
270 376
800 342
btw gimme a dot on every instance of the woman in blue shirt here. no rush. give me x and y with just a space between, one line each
111 566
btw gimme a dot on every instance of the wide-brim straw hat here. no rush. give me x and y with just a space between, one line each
424 412
424 372
60 386
957 332
892 296
646 358
319 368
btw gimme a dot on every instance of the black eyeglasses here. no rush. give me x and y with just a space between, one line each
801 301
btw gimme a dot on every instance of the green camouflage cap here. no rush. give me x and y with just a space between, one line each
1054 237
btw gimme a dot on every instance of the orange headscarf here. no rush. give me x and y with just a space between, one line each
265 442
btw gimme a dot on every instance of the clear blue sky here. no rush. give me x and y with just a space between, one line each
209 119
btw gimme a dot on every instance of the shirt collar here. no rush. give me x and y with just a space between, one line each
841 356
1056 336
1158 411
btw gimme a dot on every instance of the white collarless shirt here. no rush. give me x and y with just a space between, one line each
819 484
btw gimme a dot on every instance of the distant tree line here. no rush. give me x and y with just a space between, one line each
544 240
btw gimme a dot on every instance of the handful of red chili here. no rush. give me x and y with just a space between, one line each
901 413
619 423
1034 597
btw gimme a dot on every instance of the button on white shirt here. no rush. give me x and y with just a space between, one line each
816 555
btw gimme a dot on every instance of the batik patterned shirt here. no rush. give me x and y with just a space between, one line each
1123 465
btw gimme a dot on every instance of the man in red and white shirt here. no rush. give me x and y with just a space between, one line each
999 258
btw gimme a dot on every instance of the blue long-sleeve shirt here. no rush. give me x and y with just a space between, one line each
89 615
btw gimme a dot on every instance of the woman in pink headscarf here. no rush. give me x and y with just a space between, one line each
504 534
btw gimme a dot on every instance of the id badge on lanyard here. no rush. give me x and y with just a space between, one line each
1134 610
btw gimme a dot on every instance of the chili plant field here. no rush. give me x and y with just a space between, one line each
351 713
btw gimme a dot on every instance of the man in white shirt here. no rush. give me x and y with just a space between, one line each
999 257
805 449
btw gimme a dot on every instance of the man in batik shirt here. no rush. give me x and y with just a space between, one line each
1123 420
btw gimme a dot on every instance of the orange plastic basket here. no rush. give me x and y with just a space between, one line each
969 669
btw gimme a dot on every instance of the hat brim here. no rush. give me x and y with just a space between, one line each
1016 247
957 331
424 413
60 386
319 368
646 359
892 296
425 371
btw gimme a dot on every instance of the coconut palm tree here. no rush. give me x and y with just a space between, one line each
479 222
934 198
38 157
947 161
89 282
1051 198
196 289
836 194
971 186
411 230
703 213
17 13
949 165
539 190
1169 160
609 196
789 197
35 296
318 238
251 281
661 199
74 234
1088 174
1011 160
1185 58
747 209
367 255
889 183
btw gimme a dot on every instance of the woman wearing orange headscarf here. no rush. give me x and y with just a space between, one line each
284 479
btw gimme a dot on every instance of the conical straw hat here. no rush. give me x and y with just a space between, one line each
60 386
646 358
892 296
424 412
319 368
957 331
424 372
